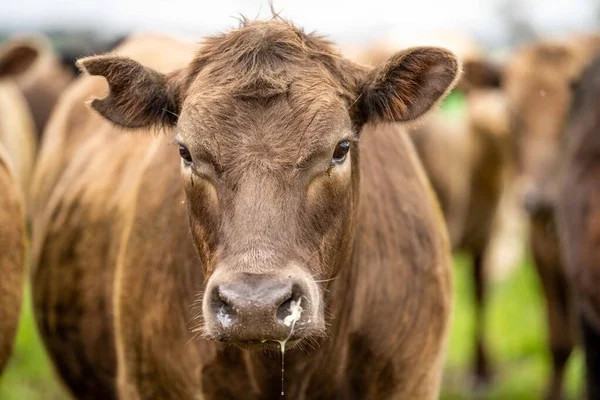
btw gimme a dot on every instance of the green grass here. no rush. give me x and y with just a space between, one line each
515 331
454 105
29 374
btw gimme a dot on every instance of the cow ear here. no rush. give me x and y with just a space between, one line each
479 74
17 56
138 96
406 86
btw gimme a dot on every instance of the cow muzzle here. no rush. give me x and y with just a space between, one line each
537 203
258 309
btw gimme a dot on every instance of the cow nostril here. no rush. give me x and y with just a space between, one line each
537 204
534 204
222 307
288 305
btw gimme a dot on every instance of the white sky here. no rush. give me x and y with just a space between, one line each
342 20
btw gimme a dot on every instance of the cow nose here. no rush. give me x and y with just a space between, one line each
535 203
270 300
257 308
530 202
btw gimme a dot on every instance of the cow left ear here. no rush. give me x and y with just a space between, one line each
406 86
138 96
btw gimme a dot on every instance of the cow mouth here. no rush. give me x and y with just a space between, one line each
266 344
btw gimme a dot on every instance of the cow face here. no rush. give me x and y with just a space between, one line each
538 83
267 121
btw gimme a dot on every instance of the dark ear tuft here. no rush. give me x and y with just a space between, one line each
138 96
407 85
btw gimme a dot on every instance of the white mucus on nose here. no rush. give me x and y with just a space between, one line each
295 313
223 318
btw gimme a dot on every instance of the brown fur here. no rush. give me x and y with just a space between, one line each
17 133
17 147
12 255
75 314
578 213
538 80
38 72
260 109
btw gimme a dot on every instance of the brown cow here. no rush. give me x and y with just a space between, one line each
38 72
537 82
12 255
17 149
17 133
268 228
578 215
12 214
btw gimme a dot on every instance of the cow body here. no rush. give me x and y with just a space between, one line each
120 276
578 214
16 130
538 80
17 133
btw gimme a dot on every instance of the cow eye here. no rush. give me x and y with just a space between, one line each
185 154
341 151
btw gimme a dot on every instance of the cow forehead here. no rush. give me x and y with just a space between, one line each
291 118
537 90
543 71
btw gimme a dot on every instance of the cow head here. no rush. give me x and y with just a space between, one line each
267 121
538 81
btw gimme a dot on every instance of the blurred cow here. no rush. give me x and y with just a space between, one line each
17 147
578 212
12 255
538 81
17 133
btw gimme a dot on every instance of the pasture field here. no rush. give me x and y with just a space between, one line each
515 330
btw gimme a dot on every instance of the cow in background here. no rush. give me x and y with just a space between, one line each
538 79
578 214
17 149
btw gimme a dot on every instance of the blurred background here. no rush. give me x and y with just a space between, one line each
492 22
514 321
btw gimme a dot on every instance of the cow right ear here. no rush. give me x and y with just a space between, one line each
138 96
406 86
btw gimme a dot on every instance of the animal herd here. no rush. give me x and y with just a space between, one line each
263 215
